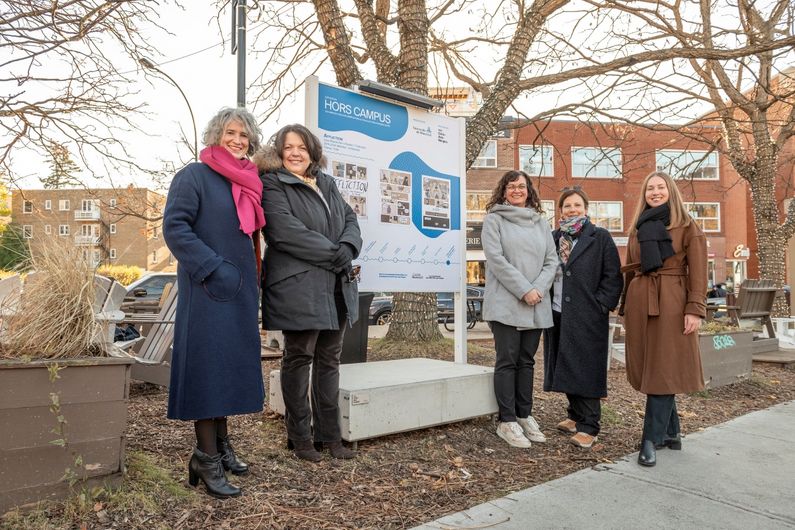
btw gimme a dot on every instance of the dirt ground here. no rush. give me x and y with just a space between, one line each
397 481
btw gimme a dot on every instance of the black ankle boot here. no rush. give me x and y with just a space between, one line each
647 456
229 458
674 444
210 470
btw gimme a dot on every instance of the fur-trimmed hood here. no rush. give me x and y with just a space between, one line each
267 159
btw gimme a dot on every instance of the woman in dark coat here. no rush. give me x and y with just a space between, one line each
664 302
212 210
309 289
587 286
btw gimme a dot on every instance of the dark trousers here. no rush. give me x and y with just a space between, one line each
661 420
586 412
513 369
319 349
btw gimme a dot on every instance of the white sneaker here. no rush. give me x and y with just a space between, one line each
512 433
531 429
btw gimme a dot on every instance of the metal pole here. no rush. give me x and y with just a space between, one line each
241 53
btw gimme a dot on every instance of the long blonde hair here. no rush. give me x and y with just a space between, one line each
679 214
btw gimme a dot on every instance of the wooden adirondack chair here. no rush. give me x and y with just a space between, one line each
755 300
153 357
108 296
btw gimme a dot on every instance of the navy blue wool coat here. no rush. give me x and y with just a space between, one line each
592 284
215 366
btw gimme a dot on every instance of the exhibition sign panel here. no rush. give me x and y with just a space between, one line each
402 171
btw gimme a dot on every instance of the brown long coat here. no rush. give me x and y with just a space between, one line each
660 358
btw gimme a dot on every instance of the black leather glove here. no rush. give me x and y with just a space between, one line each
343 256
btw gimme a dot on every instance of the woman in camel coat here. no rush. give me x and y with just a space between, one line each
663 304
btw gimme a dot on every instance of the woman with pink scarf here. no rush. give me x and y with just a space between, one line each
212 219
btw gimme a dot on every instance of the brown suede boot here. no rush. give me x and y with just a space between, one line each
339 451
304 449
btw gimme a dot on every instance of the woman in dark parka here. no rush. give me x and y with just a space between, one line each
212 210
587 286
309 291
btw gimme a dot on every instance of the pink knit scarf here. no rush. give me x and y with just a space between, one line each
246 185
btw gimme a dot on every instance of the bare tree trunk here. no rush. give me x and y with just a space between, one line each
337 42
414 318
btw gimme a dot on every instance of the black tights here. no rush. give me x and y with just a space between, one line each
207 433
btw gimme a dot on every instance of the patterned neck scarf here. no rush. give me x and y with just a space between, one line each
570 229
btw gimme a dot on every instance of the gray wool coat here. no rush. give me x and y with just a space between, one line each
520 256
302 234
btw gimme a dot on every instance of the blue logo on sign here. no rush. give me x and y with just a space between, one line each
342 110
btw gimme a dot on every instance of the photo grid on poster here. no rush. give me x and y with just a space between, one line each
435 203
395 196
357 200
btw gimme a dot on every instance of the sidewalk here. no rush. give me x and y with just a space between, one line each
739 474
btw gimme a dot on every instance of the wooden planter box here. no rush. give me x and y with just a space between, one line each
726 357
92 394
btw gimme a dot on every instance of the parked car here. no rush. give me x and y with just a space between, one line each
144 293
381 307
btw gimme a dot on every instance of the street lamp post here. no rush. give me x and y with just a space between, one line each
149 65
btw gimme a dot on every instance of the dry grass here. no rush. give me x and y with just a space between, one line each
53 316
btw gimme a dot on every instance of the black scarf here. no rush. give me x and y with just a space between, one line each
655 242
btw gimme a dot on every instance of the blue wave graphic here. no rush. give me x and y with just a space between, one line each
342 110
408 161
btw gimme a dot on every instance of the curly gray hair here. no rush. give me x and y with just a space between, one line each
215 127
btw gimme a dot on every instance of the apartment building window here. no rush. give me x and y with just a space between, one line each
47 229
154 256
476 205
170 258
48 204
549 211
63 205
690 165
63 230
488 155
536 160
27 207
112 203
27 231
706 214
155 233
113 253
87 205
607 214
596 162
113 228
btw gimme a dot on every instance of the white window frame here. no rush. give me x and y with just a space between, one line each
697 158
593 207
599 166
27 231
700 220
27 207
113 253
170 258
48 204
113 228
483 160
112 203
541 155
64 205
154 256
155 232
63 230
478 215
549 211
47 229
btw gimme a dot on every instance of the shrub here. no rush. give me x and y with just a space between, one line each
124 274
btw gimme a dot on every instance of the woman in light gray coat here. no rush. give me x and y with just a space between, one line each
521 261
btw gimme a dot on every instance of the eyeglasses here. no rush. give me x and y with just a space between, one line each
518 187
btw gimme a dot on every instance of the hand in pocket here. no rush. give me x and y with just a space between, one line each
224 283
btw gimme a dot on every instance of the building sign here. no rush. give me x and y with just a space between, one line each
401 169
473 237
620 241
741 251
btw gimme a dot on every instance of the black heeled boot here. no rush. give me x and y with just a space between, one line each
210 470
647 456
229 458
674 444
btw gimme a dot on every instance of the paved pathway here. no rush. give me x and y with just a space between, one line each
739 474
